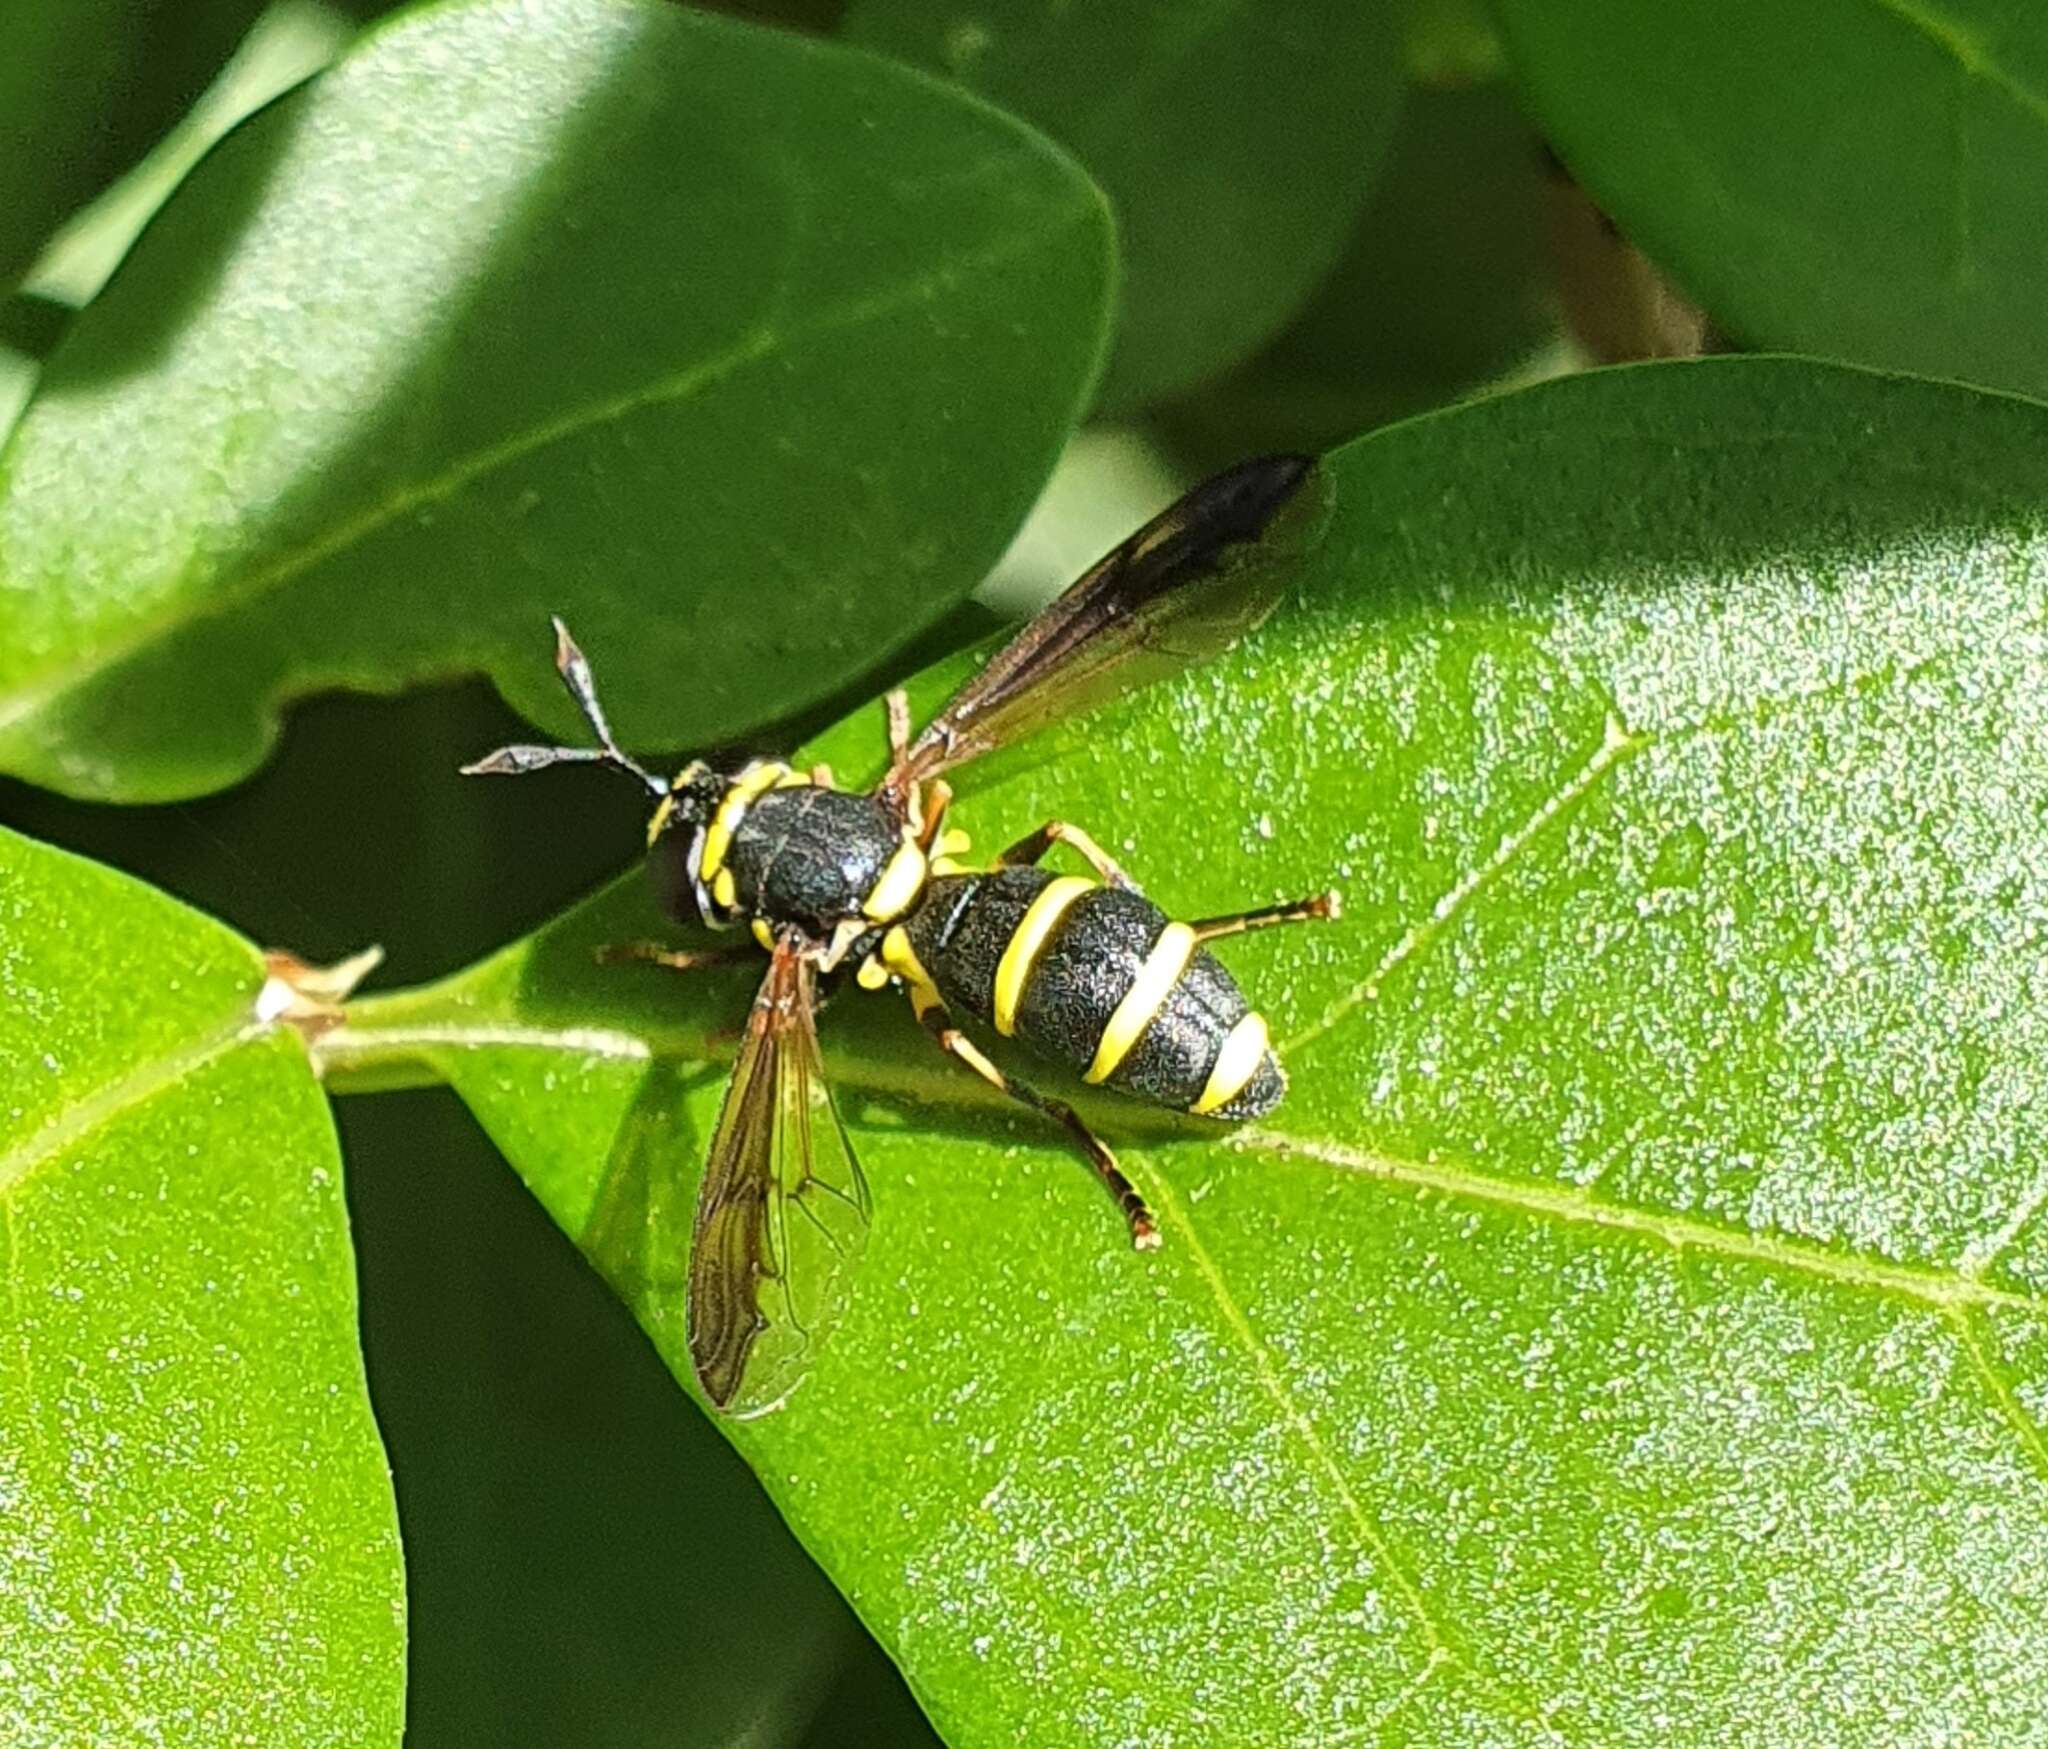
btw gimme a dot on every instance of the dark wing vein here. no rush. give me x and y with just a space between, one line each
783 1210
1198 576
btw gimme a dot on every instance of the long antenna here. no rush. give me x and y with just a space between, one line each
574 669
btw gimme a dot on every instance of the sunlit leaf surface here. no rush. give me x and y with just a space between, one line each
1630 1331
197 1537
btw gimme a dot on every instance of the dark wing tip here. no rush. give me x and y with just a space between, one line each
1254 490
718 1373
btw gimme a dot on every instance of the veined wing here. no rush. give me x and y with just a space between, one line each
1188 584
782 1213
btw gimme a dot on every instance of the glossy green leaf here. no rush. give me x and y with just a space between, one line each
1862 180
198 1543
720 342
582 1548
1631 1330
1237 143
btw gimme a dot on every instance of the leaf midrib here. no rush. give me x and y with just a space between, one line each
760 343
1954 1297
353 1047
112 1099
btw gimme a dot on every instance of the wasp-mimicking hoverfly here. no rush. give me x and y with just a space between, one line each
1089 972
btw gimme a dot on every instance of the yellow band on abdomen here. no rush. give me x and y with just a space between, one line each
1013 970
1155 981
1244 1049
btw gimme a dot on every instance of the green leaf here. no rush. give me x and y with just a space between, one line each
582 1547
200 1543
88 86
1237 144
1866 179
1444 284
1631 1329
722 343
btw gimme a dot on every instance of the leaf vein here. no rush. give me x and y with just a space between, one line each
1968 50
1617 744
2010 1408
1399 1703
111 1100
358 1046
1268 1374
1442 1650
1943 1288
356 1053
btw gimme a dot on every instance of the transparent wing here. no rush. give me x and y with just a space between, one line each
783 1210
1189 583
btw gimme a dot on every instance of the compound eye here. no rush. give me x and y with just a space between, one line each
671 865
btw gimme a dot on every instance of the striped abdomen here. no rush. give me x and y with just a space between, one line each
1098 978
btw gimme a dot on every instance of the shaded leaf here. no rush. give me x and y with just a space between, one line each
612 310
1451 45
1631 1328
1441 286
200 1543
1236 142
587 1562
88 86
1866 181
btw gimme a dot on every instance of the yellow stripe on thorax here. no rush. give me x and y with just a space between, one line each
1013 970
1244 1049
732 808
1155 981
667 805
901 880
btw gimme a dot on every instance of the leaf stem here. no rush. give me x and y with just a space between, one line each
393 1042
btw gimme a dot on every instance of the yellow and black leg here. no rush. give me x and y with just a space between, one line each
1034 846
1144 1233
1319 909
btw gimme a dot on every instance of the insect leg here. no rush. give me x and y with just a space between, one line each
937 800
1144 1234
1321 908
1033 847
897 703
620 953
